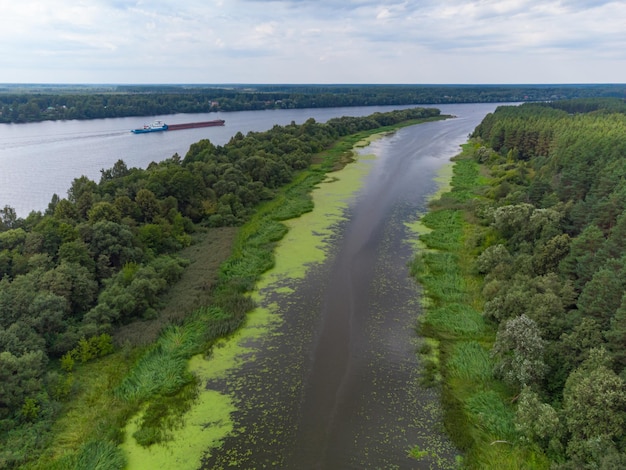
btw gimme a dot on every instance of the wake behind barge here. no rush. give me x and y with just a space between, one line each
160 126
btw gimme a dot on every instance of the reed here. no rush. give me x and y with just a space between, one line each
471 362
491 416
455 319
478 416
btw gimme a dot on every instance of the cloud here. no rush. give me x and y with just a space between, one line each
307 40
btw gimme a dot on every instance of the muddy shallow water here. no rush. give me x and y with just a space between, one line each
334 381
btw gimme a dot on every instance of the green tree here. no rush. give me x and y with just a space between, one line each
82 194
8 218
74 283
20 378
616 336
594 403
583 258
538 422
519 351
602 295
112 244
148 204
104 211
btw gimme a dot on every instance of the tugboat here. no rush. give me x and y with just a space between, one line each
156 126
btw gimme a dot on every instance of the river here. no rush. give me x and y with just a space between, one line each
40 159
337 384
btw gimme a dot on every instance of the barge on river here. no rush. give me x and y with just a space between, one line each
160 126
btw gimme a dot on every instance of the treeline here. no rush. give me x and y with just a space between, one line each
552 253
39 103
103 256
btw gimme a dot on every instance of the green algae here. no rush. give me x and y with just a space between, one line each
417 228
204 426
209 419
306 243
309 235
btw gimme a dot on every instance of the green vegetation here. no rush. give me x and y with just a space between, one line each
98 266
525 286
30 103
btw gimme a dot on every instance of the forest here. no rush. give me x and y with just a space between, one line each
531 307
32 103
103 257
526 318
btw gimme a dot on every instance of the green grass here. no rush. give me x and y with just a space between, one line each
479 415
455 319
491 416
470 361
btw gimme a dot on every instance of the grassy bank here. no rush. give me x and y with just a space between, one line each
147 395
479 415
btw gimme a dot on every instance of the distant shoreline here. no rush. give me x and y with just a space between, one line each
21 103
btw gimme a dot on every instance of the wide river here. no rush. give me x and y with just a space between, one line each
40 159
335 385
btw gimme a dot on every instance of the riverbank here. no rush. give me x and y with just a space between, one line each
479 415
103 408
288 237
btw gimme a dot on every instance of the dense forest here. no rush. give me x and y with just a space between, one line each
40 102
542 192
103 256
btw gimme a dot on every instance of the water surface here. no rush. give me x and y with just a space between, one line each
336 385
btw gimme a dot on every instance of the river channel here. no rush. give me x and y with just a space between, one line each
335 384
325 374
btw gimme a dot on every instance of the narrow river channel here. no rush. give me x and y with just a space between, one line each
334 382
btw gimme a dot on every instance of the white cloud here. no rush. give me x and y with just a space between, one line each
312 41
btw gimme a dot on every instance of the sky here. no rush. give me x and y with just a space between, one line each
313 41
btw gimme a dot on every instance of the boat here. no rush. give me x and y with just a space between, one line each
194 125
158 126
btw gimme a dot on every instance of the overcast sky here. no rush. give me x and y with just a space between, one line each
312 41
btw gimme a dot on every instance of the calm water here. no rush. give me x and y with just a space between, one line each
337 387
40 159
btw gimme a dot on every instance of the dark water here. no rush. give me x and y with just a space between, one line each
337 386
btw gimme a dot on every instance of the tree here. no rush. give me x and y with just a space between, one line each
538 422
20 377
74 283
119 170
616 336
583 258
8 218
103 211
46 315
512 221
594 402
548 256
20 339
112 244
492 257
519 351
76 252
148 204
64 210
602 295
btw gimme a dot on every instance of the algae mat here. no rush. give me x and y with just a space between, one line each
211 418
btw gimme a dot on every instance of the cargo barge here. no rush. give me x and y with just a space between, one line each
160 126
